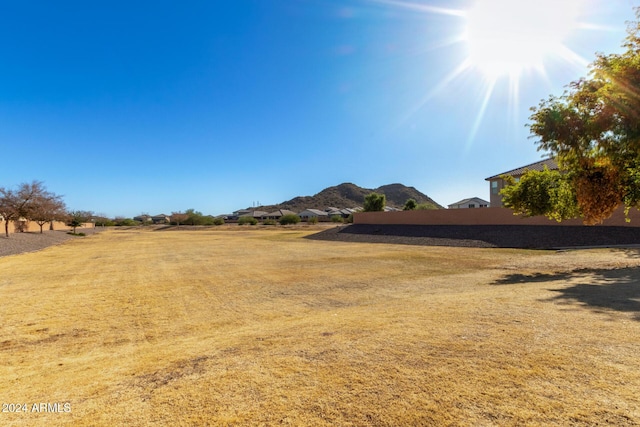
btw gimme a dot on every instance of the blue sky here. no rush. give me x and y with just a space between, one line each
131 107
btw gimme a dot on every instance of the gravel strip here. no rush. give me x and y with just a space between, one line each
486 236
18 243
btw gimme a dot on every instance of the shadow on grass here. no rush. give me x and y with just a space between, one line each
598 290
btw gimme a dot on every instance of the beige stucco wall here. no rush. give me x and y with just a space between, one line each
34 227
479 216
495 199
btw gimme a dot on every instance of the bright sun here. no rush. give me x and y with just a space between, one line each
506 37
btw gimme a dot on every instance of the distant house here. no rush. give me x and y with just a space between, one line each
343 213
313 213
246 212
473 202
497 183
161 219
278 214
143 218
241 212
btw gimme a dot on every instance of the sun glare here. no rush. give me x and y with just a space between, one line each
506 37
505 40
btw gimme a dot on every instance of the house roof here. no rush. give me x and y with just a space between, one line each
255 214
314 211
470 199
281 212
550 163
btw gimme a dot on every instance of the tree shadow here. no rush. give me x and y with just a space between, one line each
599 290
617 290
514 279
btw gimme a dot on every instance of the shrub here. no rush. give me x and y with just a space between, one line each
336 218
426 206
218 221
126 222
269 222
247 220
410 205
312 220
349 219
289 219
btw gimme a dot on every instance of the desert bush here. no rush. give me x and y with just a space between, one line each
218 221
425 206
104 222
247 220
127 222
312 220
337 218
410 205
349 219
289 219
269 222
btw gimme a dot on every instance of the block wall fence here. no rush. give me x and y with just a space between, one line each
480 216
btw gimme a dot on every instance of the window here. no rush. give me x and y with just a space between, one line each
471 205
494 187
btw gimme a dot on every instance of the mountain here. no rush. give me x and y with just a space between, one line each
349 195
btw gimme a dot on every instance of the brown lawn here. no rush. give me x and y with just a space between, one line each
263 327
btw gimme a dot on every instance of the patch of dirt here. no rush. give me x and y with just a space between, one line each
18 243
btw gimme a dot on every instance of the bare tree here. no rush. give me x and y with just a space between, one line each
8 203
47 207
179 217
17 204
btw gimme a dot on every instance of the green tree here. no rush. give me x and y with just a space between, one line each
374 202
76 219
545 192
410 205
593 130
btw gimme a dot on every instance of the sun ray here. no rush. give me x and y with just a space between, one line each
514 98
483 108
570 56
453 75
420 7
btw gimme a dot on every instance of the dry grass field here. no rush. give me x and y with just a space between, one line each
263 327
